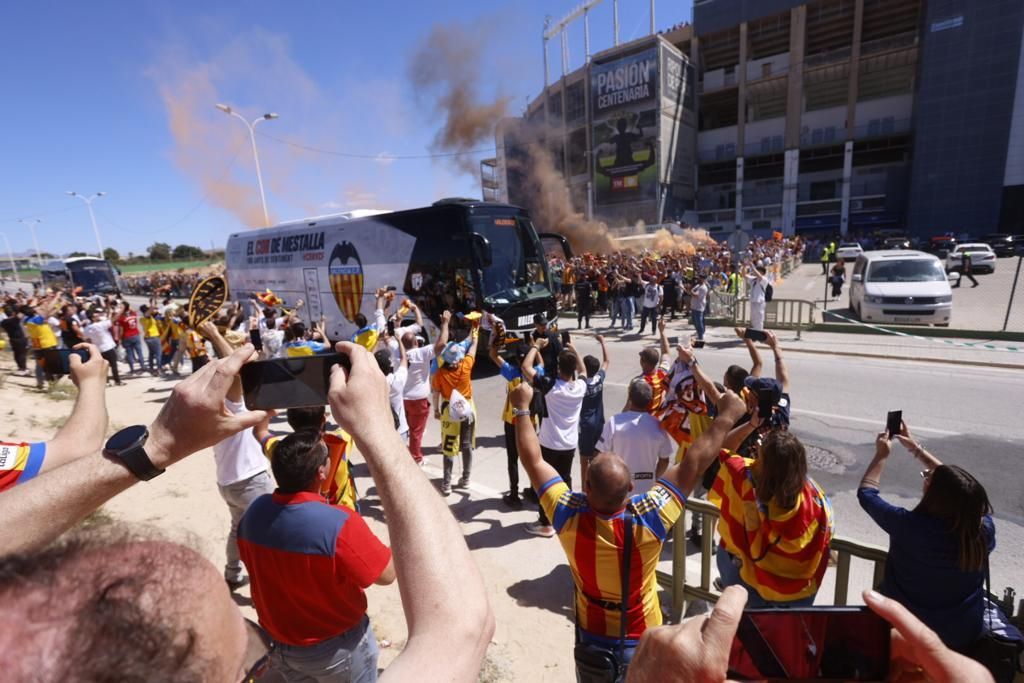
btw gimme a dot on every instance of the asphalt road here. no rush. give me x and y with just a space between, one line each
965 415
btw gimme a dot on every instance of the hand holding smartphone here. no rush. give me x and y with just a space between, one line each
755 335
894 423
58 361
565 338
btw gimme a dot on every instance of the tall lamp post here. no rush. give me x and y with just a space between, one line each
251 126
10 255
88 202
32 223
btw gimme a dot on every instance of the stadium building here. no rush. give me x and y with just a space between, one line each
825 116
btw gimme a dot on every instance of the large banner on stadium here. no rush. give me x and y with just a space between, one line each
624 105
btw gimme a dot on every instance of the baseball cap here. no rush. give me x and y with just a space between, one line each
756 384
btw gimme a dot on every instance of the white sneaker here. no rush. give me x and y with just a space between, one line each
538 529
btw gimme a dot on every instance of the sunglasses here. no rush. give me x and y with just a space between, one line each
257 652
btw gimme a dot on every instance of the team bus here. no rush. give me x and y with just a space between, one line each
86 274
457 254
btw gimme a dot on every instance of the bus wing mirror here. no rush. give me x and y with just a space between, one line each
560 239
483 250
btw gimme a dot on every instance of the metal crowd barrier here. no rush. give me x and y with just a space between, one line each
681 590
780 314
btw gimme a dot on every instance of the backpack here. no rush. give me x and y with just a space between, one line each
769 292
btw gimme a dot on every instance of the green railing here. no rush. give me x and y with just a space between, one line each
681 590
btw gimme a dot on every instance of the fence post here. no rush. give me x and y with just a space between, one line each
1013 290
679 567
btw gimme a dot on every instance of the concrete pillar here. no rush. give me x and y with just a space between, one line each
790 184
739 190
795 81
854 80
741 92
844 216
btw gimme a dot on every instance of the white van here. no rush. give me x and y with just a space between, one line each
900 286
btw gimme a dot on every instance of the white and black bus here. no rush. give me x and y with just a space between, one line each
458 254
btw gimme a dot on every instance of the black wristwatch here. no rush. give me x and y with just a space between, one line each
128 448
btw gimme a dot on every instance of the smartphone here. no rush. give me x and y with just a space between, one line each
391 288
810 644
755 335
765 403
672 341
698 343
893 423
391 328
565 337
289 382
58 361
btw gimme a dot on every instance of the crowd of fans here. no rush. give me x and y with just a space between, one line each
150 609
162 284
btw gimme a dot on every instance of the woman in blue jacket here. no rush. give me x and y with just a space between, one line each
938 551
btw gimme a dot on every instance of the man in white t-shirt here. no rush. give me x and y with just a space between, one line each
698 304
560 431
242 475
416 395
757 283
99 333
636 436
652 304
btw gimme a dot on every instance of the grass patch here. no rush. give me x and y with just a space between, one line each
135 268
61 391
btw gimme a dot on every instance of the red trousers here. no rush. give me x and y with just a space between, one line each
417 412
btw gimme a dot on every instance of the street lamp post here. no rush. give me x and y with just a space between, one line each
251 126
10 255
88 202
32 223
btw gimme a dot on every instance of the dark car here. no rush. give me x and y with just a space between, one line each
1003 244
896 243
942 245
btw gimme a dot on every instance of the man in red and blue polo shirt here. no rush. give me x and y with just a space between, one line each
310 563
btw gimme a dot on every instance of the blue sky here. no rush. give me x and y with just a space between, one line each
118 97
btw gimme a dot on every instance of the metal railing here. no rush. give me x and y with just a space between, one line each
780 314
681 590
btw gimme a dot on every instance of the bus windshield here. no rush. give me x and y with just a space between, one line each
93 276
517 270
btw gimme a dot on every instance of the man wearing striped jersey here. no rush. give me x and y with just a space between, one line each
590 525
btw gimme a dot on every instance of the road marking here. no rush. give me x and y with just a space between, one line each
810 284
876 422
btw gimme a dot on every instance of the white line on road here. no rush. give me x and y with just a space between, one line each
876 422
810 284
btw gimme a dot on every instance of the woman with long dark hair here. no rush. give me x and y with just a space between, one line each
775 523
938 552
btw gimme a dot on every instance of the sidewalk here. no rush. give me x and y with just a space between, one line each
894 347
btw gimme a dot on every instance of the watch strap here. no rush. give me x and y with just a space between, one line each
137 461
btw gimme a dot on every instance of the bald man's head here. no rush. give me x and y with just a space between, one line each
609 483
107 606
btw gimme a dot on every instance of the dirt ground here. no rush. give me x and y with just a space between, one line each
529 583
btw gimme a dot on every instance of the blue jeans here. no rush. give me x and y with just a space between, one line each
351 656
628 650
698 322
155 353
730 573
651 313
133 351
613 310
626 312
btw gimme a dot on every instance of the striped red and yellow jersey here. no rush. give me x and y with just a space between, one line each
19 462
659 381
593 544
784 552
340 487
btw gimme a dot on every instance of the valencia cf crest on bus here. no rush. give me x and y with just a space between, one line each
346 276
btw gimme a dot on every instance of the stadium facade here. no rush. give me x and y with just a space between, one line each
824 116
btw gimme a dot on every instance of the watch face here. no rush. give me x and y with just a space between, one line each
126 438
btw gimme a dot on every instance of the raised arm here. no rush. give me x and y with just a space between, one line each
605 359
665 348
539 471
706 384
916 449
417 312
755 357
83 432
581 369
223 349
705 449
450 622
475 343
442 337
531 357
781 373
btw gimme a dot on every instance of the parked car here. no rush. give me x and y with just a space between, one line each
1005 245
896 243
983 259
941 245
900 286
848 251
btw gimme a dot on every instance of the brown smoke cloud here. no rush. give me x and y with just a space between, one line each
551 206
447 69
688 242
